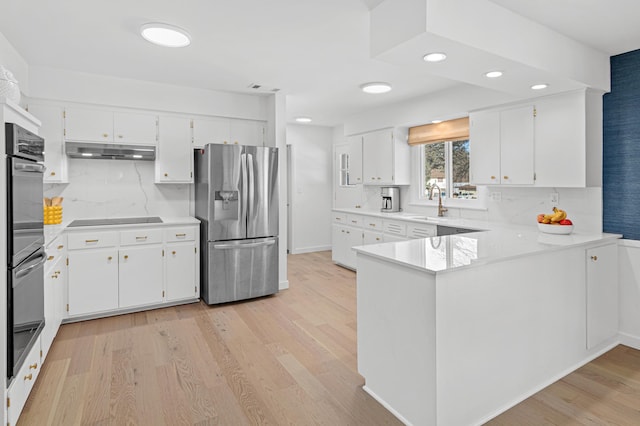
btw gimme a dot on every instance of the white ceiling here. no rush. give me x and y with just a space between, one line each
316 52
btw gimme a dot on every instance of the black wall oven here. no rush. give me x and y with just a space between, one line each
25 243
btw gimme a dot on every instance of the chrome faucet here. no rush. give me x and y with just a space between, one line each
441 209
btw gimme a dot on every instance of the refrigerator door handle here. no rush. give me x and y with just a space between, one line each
245 184
251 210
242 246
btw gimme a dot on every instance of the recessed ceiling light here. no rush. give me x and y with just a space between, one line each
87 154
539 86
436 121
165 35
137 156
303 119
435 57
376 87
493 74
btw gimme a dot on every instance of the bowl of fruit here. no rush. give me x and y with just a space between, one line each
555 223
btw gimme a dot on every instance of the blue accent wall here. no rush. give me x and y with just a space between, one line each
621 148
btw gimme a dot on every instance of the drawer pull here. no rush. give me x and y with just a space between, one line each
594 258
141 238
50 258
372 224
377 238
173 253
181 235
338 218
105 135
354 221
126 257
506 177
109 258
493 177
60 247
90 241
53 173
33 366
28 377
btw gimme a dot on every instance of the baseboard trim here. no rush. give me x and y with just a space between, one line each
283 285
385 405
629 340
310 249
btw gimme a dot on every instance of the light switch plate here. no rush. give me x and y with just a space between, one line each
554 198
496 196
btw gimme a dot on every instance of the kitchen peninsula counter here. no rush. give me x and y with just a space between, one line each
454 330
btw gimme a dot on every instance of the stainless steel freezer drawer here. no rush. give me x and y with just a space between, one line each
241 269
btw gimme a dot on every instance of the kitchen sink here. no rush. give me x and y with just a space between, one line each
426 218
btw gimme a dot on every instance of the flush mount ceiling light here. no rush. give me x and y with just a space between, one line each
539 86
376 87
165 35
303 119
434 57
493 74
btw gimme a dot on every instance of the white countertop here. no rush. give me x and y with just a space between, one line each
497 243
51 232
455 222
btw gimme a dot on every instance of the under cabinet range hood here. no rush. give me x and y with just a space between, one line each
90 150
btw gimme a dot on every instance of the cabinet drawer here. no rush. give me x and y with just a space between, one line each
83 240
354 220
55 249
396 228
339 217
372 223
22 383
180 234
142 236
421 231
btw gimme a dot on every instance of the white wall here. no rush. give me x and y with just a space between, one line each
11 60
311 187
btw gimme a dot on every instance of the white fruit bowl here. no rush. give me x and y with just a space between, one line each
555 229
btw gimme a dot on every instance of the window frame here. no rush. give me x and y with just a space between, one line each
422 199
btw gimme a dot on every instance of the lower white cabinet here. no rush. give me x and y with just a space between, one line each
140 275
372 237
344 238
180 271
55 278
21 385
142 267
602 294
93 281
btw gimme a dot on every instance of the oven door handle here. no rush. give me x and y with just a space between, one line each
26 271
30 167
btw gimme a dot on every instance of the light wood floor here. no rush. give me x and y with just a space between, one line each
286 359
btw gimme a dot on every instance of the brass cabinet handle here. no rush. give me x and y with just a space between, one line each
354 221
28 377
50 258
235 143
105 135
166 174
120 136
181 235
373 178
379 178
594 258
33 366
141 238
126 257
342 231
58 272
109 258
506 177
60 247
53 173
372 224
173 253
377 238
338 218
493 177
90 241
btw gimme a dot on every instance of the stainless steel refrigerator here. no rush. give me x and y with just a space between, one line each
236 200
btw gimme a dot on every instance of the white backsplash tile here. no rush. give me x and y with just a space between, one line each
115 188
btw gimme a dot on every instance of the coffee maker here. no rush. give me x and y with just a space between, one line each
390 199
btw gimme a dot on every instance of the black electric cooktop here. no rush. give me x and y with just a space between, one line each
115 221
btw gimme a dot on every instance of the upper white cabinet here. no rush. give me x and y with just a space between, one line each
502 146
94 125
227 131
174 159
348 162
52 130
385 158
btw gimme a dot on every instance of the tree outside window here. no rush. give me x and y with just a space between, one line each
446 164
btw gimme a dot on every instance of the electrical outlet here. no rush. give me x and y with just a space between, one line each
554 198
496 196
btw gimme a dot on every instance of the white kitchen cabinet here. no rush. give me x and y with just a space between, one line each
180 271
344 238
502 146
135 128
372 237
52 130
174 160
385 158
92 281
247 132
392 238
354 146
140 275
21 385
210 130
602 294
97 125
55 277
